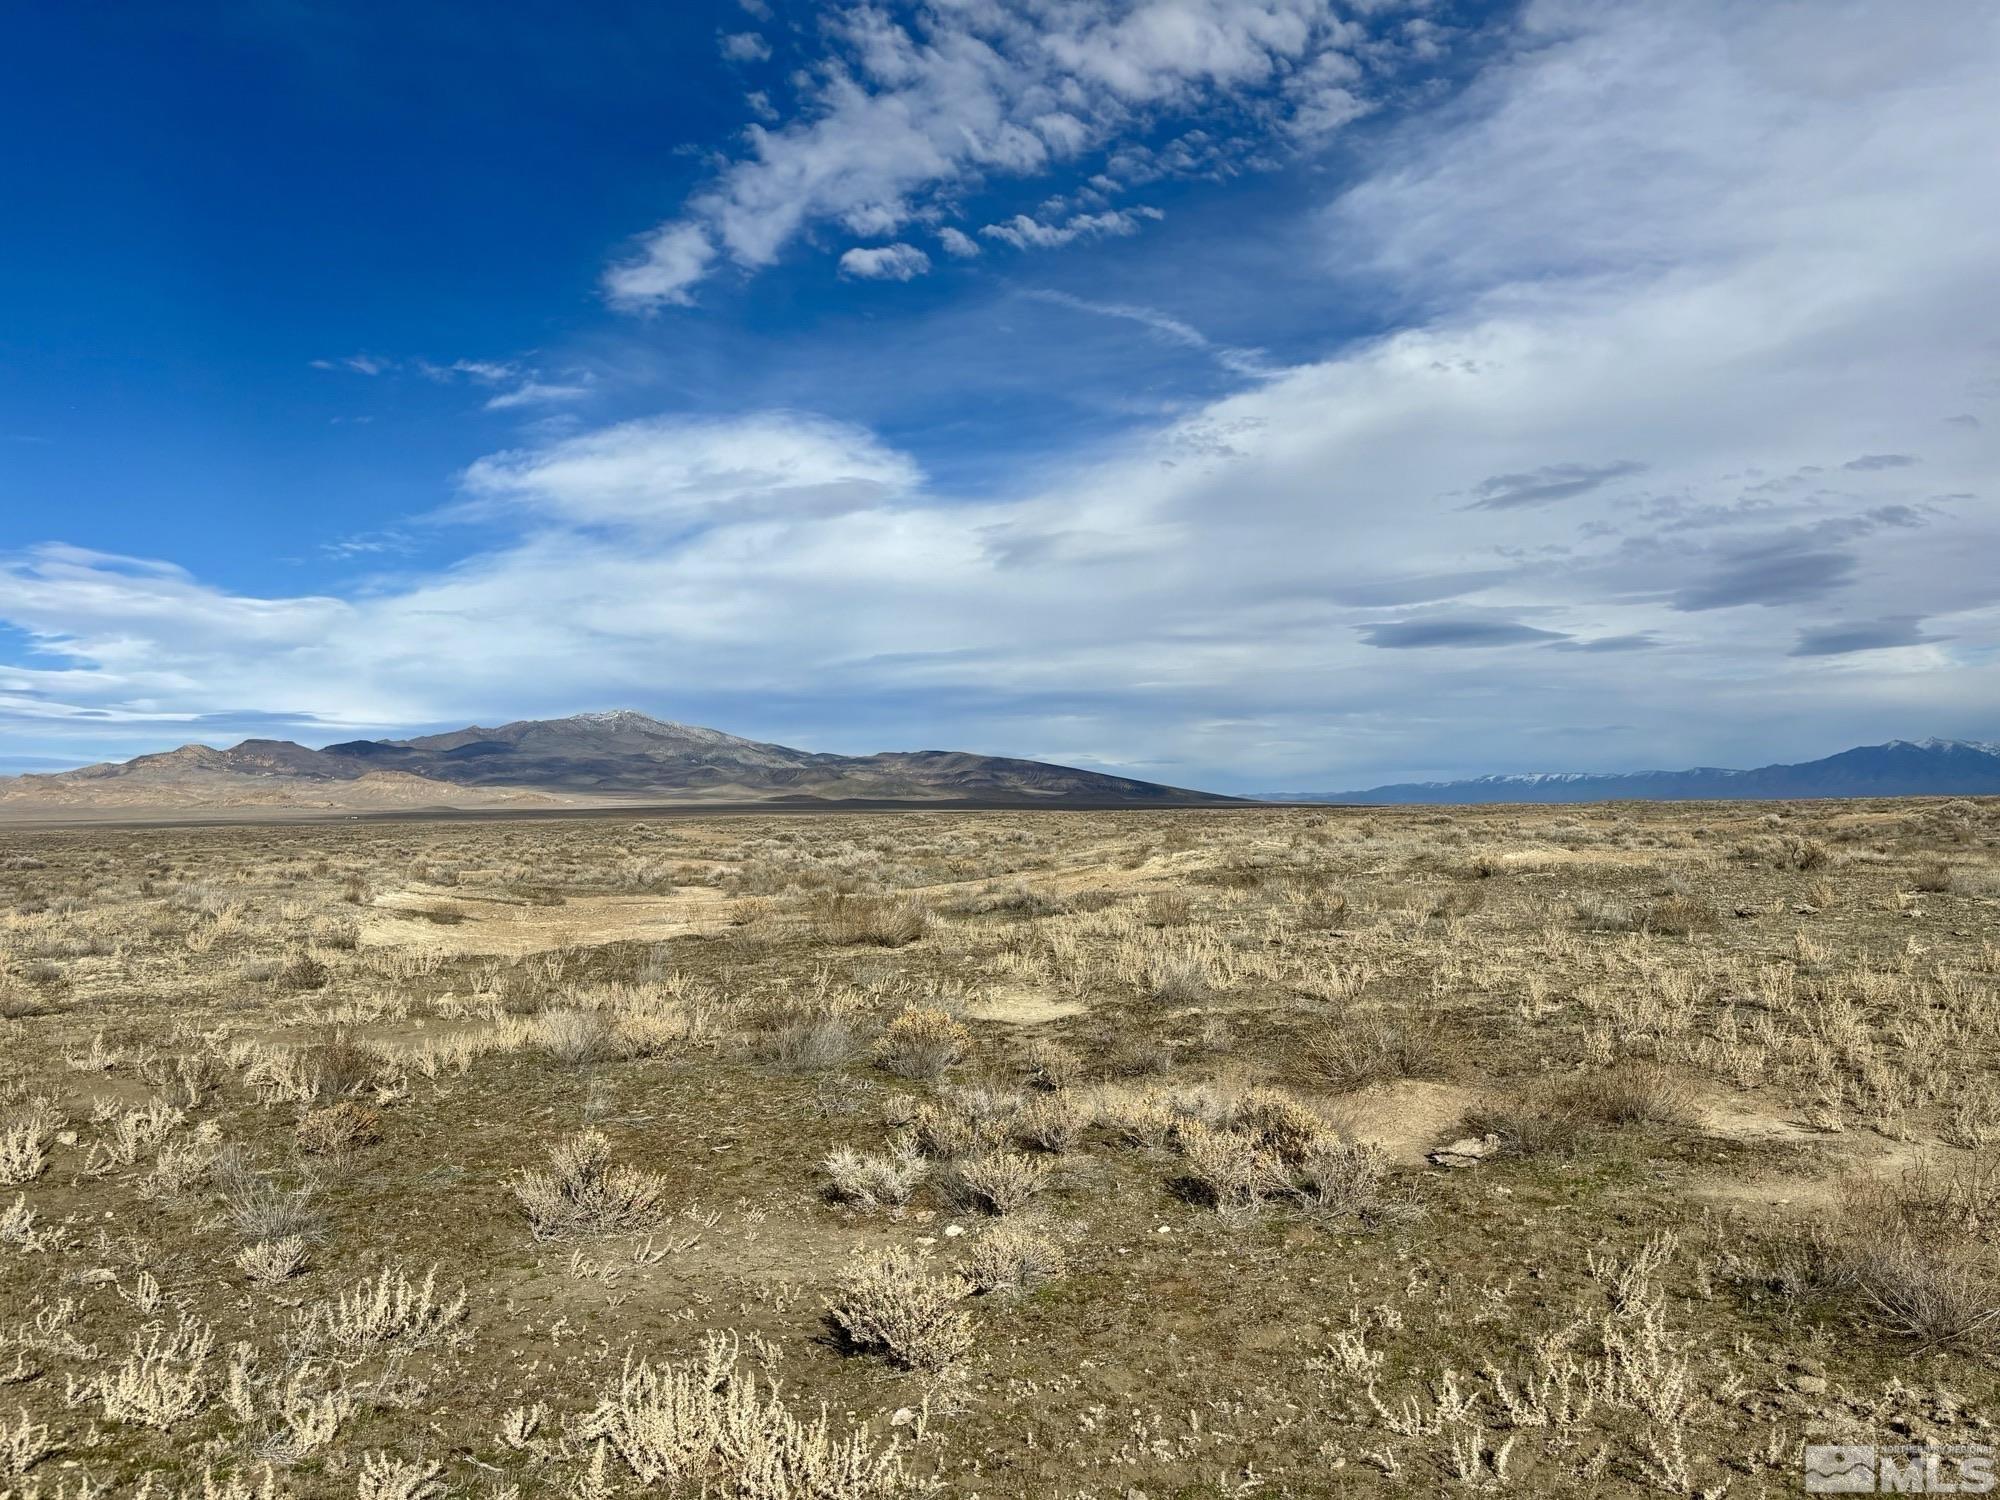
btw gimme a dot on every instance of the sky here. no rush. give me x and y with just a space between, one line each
1249 394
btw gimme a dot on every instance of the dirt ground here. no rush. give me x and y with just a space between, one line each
1566 1151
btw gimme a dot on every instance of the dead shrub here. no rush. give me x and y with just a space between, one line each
921 1043
1638 1094
1276 1123
1013 1257
1681 915
1053 1122
578 1036
259 1209
1596 913
949 1127
868 1181
1539 1120
875 921
584 1193
1051 1065
1001 1182
337 1067
1343 1180
303 970
893 1305
1934 877
1377 1048
1226 1170
1169 909
336 1129
809 1046
1921 1253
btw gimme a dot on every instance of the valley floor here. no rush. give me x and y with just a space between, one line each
1281 1151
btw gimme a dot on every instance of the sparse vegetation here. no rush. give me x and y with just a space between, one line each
1563 1151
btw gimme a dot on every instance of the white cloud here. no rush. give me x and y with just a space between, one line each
894 118
1685 279
958 243
745 46
898 262
1024 233
668 471
537 393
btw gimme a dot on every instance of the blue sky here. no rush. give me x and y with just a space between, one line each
1247 393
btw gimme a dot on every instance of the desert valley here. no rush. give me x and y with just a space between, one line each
1161 1152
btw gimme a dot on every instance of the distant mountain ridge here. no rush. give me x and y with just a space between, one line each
1900 768
621 755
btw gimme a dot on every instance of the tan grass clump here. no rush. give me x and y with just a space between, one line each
23 1444
1377 1048
876 921
269 1262
164 1381
1013 1257
584 1193
1680 915
24 1145
713 1430
336 1129
1003 1181
892 1305
922 1042
389 1312
869 1181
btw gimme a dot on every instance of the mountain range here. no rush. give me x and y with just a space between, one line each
1900 768
618 757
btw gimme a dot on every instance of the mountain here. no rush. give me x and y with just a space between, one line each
1901 768
600 757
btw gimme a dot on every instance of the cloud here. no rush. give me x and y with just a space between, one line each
670 261
957 242
528 385
1025 233
1871 462
360 364
1851 636
1769 572
1250 362
1644 640
898 262
899 117
1550 482
745 46
1792 271
669 472
1447 631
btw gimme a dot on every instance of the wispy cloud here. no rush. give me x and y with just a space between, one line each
897 118
1248 362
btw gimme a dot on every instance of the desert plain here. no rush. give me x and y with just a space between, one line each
1279 1151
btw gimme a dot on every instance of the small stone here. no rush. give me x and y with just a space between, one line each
904 1417
953 1231
1466 1152
1809 1385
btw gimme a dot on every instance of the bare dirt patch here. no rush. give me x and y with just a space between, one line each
454 923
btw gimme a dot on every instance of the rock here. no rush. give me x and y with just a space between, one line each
953 1231
1809 1385
1466 1152
904 1416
